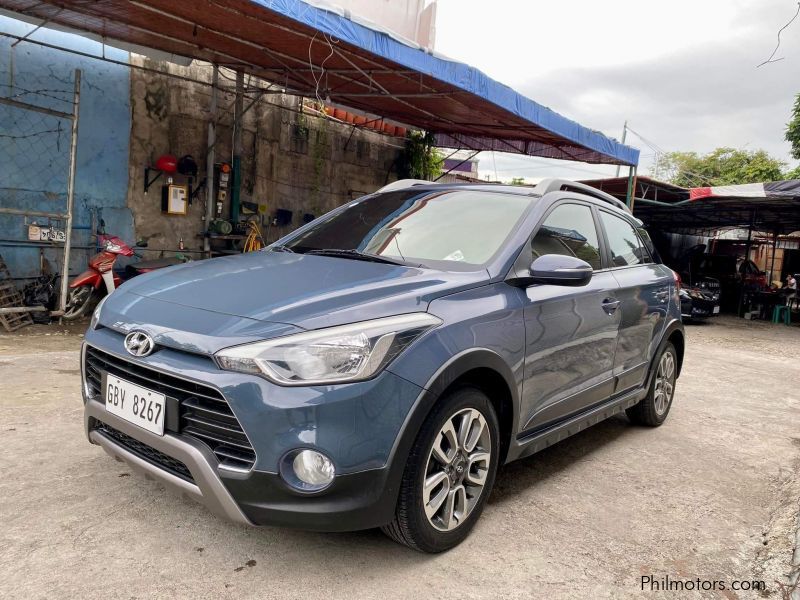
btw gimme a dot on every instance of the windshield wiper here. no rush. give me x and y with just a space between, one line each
358 255
281 249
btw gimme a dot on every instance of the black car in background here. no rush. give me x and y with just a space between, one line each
700 301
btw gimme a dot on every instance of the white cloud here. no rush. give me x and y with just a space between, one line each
683 73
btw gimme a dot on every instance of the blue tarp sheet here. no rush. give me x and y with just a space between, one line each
318 50
584 144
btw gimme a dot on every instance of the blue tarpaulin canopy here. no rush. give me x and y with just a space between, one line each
323 52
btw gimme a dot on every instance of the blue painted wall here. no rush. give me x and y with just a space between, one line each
34 149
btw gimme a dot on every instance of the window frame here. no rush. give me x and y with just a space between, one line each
523 262
634 227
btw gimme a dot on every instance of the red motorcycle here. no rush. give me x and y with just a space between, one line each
100 278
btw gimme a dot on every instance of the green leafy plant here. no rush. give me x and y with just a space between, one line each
420 159
793 129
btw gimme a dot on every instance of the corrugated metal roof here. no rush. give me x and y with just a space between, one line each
312 51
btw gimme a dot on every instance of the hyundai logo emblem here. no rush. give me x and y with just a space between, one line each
139 343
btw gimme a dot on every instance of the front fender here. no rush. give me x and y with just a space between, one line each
88 277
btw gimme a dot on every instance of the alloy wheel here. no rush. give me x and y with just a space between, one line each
456 471
665 383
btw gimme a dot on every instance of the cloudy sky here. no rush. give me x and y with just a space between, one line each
683 73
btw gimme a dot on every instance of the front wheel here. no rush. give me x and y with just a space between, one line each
653 409
449 474
78 301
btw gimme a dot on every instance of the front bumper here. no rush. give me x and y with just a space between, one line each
696 308
357 425
206 487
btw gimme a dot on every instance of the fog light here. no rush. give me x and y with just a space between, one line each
309 470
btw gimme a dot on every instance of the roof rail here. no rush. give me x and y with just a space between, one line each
402 184
567 185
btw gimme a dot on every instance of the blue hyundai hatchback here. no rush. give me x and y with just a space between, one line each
375 367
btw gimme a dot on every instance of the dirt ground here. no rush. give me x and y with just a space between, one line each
713 494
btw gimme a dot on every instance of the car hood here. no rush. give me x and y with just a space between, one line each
296 290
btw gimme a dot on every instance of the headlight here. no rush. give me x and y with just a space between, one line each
333 355
96 314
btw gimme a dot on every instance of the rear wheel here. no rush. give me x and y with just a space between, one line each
654 408
78 301
449 474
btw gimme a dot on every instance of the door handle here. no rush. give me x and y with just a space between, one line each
610 305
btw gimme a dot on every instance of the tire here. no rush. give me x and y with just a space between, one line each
653 409
79 300
441 528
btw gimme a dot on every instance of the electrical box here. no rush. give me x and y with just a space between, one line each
222 181
174 199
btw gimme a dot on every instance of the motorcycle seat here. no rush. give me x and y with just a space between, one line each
150 265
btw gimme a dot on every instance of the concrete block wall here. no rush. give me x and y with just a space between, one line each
280 169
129 117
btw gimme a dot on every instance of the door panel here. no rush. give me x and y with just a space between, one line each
644 292
570 340
644 296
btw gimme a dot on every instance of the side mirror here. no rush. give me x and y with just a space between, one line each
558 269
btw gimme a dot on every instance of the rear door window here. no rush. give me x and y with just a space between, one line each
623 244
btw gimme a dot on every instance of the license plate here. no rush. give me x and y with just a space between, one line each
135 404
716 310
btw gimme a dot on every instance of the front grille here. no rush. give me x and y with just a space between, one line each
203 412
146 452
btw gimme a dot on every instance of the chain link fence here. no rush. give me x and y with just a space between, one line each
38 139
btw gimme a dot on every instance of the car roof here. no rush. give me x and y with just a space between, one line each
541 189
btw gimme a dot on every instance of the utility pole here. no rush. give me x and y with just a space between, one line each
238 125
211 159
624 135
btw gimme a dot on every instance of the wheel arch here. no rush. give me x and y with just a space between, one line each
677 338
478 367
675 335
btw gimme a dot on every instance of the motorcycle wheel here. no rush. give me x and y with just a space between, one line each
78 302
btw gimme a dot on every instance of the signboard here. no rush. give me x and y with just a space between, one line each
37 233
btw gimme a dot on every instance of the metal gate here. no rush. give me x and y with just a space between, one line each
38 146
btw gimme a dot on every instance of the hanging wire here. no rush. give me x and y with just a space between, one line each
318 80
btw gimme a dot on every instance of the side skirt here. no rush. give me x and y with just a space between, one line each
533 442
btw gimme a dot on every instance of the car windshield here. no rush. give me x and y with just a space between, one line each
451 226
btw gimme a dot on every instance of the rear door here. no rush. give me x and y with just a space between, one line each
570 332
644 294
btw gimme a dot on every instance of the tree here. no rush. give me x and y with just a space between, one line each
517 181
793 174
793 129
420 159
723 166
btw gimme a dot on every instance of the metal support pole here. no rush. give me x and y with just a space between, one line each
624 135
73 153
740 311
631 188
211 159
238 125
772 265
